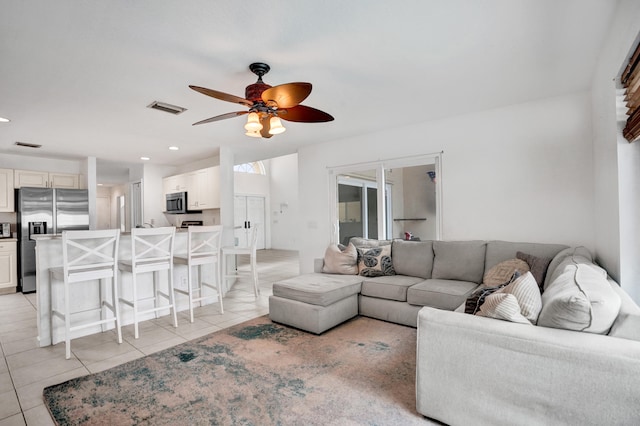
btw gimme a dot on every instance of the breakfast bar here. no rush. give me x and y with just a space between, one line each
49 254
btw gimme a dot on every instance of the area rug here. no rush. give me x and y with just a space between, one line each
256 373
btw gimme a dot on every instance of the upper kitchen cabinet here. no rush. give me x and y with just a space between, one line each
173 184
204 188
37 179
6 190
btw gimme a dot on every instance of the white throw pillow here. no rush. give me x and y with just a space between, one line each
519 301
338 261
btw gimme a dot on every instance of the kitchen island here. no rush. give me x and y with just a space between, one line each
85 295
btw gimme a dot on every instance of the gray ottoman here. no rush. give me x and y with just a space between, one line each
315 302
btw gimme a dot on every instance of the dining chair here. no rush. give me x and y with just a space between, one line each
151 252
203 248
246 250
86 256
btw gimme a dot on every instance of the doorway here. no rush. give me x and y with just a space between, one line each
248 211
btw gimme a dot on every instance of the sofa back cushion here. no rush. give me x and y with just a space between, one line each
412 258
360 242
579 297
459 260
498 251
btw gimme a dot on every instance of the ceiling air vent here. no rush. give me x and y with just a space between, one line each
28 145
161 106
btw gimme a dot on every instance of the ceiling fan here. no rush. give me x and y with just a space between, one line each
267 105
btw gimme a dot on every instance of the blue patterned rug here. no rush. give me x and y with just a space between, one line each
256 373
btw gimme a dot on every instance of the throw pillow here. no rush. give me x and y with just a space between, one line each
518 301
537 265
375 261
502 306
503 271
477 297
341 261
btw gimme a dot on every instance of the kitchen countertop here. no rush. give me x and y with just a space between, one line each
7 239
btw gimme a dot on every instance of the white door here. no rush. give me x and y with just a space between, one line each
249 210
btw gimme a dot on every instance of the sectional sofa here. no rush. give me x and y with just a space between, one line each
579 365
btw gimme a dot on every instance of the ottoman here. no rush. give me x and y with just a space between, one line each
315 302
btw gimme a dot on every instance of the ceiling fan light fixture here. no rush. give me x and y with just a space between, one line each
276 126
253 133
253 123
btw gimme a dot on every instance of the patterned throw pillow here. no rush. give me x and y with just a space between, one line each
375 261
503 272
476 299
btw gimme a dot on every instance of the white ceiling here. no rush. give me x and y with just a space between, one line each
76 75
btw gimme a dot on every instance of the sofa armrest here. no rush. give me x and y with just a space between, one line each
474 370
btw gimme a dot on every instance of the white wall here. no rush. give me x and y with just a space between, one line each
284 208
616 162
518 173
42 164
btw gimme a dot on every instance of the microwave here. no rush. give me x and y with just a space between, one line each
177 204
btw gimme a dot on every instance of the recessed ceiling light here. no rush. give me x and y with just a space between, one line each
145 158
173 148
4 120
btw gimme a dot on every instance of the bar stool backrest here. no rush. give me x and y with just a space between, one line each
152 245
90 250
203 241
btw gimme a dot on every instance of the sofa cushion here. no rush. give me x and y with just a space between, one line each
459 260
503 272
318 289
497 251
389 287
413 258
442 294
626 326
375 261
568 256
526 296
538 267
341 261
579 298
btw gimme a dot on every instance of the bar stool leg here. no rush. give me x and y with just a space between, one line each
67 321
156 277
116 308
172 298
254 273
216 275
135 305
190 291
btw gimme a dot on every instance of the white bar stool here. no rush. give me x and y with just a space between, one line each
87 256
203 248
151 251
251 251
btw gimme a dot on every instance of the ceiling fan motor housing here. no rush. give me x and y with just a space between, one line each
253 92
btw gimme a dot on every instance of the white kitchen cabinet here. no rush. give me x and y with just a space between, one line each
8 267
173 184
38 179
64 180
204 189
7 203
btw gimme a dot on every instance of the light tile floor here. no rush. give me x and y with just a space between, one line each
27 369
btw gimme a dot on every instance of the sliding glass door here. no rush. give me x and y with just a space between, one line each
397 198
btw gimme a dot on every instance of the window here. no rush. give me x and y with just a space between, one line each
255 167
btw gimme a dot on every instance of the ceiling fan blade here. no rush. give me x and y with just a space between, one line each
304 114
287 95
221 117
266 125
222 96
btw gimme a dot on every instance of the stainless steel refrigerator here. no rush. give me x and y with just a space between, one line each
45 211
